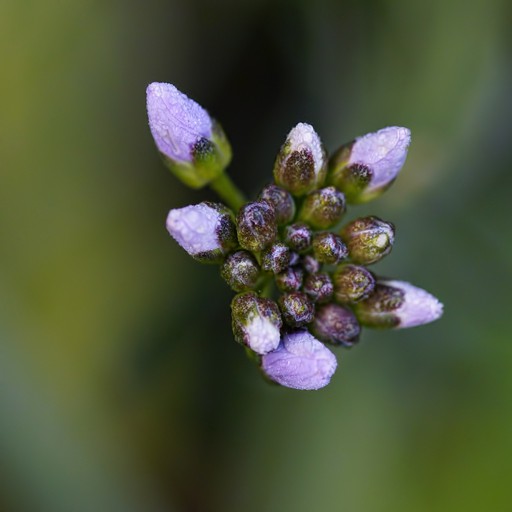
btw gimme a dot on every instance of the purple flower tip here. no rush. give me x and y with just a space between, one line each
195 228
176 121
300 362
418 307
383 152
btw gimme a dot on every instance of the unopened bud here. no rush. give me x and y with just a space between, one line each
275 258
318 287
282 201
352 283
290 280
296 308
256 226
310 264
368 239
329 248
323 208
336 324
256 322
366 167
300 166
298 237
240 270
205 230
300 362
192 144
398 304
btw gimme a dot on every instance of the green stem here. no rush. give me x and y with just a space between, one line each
228 191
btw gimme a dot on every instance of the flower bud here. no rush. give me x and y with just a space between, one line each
192 144
290 280
298 237
256 226
366 167
300 165
352 283
329 248
323 208
398 304
300 362
310 264
296 308
318 287
368 239
240 270
275 258
336 324
256 322
205 230
282 201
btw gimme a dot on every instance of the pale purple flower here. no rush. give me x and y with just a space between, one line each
383 153
177 123
419 307
300 362
206 230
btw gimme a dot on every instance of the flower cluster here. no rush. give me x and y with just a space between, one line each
301 279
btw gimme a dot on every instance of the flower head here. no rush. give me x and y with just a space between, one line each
192 144
367 166
300 362
205 230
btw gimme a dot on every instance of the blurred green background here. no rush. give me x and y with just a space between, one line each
121 388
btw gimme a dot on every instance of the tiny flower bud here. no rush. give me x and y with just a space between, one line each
366 167
256 226
290 280
205 230
318 287
240 270
256 322
282 201
298 237
368 239
300 362
294 259
296 308
336 324
193 145
323 208
300 165
310 264
398 304
329 248
275 258
352 284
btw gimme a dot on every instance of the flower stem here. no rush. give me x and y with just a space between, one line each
228 191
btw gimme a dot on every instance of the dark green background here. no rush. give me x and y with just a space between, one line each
121 388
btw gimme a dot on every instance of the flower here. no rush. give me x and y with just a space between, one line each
192 144
300 362
398 304
366 167
205 230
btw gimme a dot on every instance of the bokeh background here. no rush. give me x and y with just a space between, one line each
121 388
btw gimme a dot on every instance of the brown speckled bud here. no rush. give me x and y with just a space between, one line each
296 308
329 248
256 226
290 280
275 258
240 270
323 208
336 324
282 201
318 287
352 283
298 237
368 239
